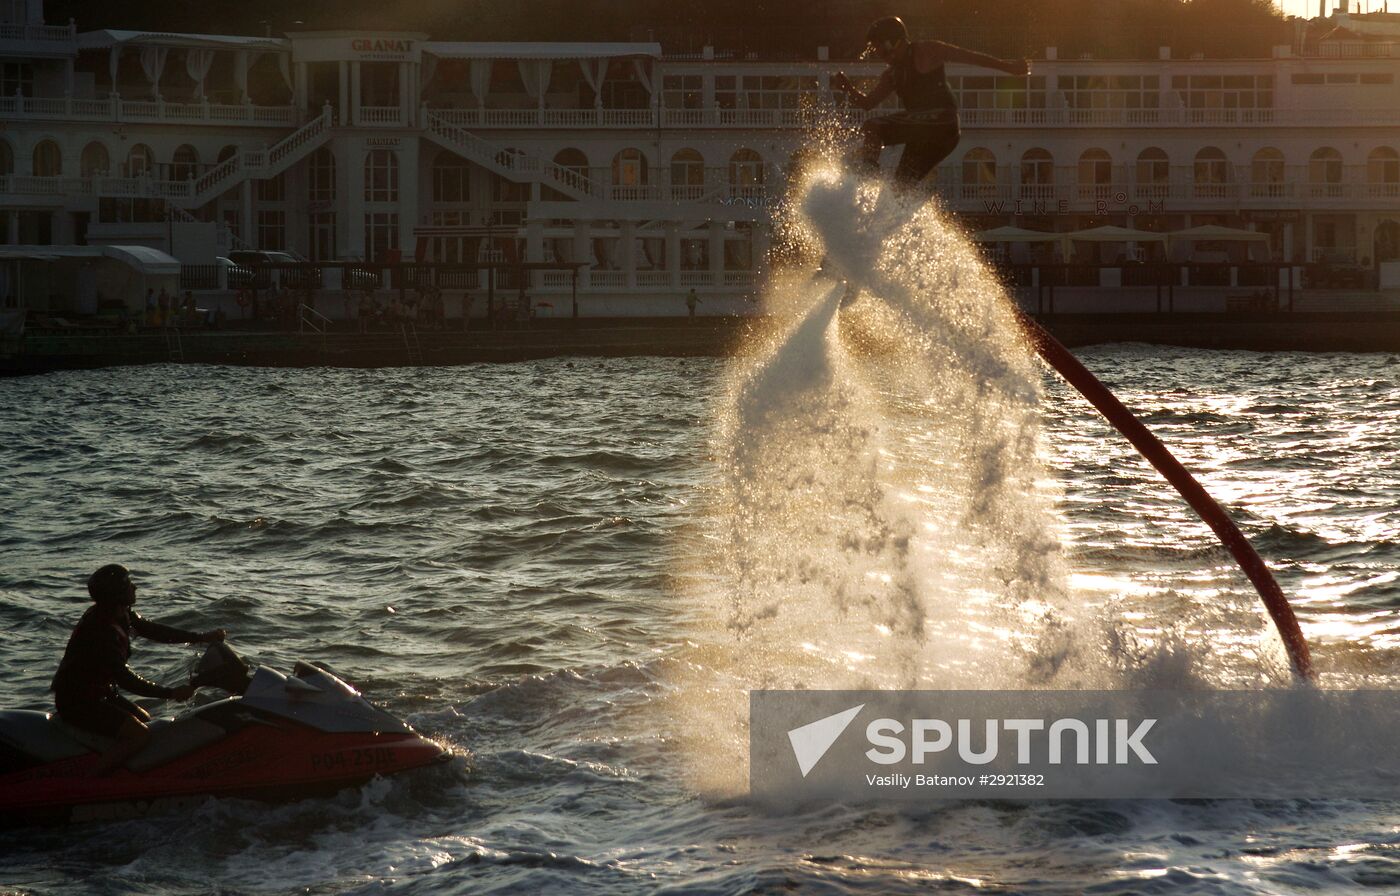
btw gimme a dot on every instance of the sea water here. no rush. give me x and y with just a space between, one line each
573 570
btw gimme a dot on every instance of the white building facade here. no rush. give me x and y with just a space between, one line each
658 173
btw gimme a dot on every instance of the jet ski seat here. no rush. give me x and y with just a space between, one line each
43 736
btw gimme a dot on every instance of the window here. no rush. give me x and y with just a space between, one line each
320 185
629 172
746 173
7 159
1037 174
272 230
1383 172
998 91
1266 173
381 176
1112 91
683 91
322 236
1153 174
139 161
1095 174
381 235
687 175
184 164
273 189
48 159
451 178
1210 173
1308 78
16 77
95 161
979 174
1325 172
1225 91
1377 78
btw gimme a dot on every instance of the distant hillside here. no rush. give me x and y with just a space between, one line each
1103 28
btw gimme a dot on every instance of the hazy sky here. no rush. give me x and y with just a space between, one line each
1309 7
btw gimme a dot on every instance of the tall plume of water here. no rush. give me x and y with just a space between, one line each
884 511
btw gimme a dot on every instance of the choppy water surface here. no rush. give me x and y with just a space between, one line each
525 560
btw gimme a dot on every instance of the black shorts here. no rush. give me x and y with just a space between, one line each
104 716
927 141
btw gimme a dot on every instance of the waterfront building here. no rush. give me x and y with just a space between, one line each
658 173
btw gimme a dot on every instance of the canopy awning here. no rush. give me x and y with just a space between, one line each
107 38
142 258
1111 234
572 50
1016 235
1216 232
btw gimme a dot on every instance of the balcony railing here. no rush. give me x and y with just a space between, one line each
50 33
144 111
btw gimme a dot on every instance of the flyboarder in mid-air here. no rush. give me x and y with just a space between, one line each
928 125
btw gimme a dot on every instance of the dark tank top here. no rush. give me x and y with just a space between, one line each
925 92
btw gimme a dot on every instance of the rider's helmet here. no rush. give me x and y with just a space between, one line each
885 33
111 586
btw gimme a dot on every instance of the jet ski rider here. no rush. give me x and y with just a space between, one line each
928 126
94 666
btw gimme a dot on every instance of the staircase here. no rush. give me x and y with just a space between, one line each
257 164
512 163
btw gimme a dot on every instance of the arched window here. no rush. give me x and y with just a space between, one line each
48 159
95 161
1095 174
746 173
139 161
320 185
1037 174
452 177
1210 174
185 163
1266 173
629 174
1153 174
979 174
382 176
687 174
1383 171
1325 172
7 159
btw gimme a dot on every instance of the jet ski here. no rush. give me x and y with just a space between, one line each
275 737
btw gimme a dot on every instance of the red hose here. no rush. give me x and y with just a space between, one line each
1078 376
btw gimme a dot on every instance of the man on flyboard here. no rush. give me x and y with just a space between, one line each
928 126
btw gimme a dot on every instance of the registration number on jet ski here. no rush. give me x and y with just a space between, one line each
368 757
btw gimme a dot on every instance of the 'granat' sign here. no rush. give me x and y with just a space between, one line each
394 49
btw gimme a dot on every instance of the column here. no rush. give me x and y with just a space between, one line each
627 249
299 85
350 174
245 213
534 248
583 250
1307 237
344 116
405 109
12 225
355 92
409 191
716 252
672 231
759 252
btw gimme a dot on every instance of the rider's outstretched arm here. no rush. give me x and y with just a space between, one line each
951 53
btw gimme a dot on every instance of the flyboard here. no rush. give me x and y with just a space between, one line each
1054 353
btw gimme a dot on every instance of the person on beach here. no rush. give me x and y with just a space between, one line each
928 125
691 300
94 666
